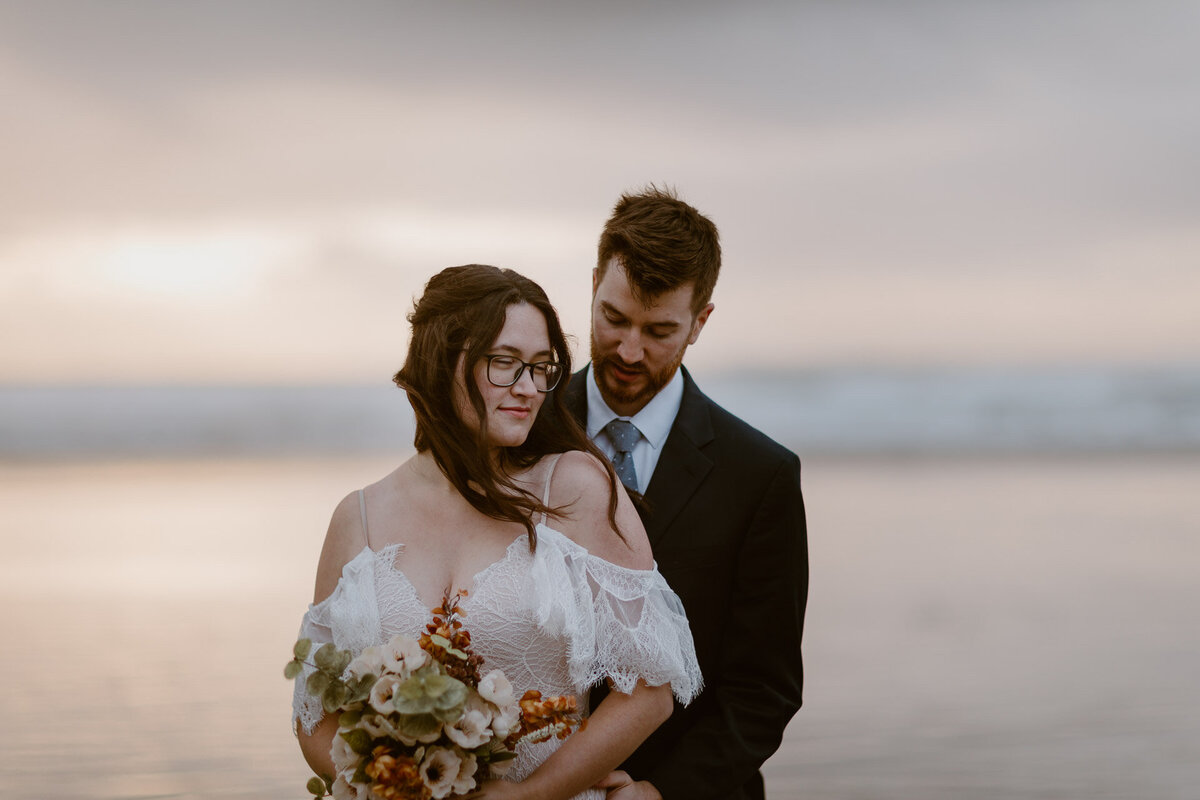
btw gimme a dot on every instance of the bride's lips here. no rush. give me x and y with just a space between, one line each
520 412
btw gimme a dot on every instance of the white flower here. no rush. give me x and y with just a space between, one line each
506 719
465 781
343 757
377 726
471 730
439 770
402 655
368 662
343 789
496 689
383 691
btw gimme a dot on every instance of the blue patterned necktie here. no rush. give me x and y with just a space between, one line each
624 435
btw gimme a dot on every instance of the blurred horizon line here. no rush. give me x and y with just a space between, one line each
892 410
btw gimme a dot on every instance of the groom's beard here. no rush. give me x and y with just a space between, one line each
641 390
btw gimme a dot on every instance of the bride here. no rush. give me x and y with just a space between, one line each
508 499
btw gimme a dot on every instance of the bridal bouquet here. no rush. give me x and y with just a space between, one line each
417 721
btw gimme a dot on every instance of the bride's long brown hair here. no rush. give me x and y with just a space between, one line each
462 312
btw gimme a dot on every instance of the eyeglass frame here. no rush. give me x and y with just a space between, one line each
525 365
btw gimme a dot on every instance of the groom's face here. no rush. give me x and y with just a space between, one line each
637 347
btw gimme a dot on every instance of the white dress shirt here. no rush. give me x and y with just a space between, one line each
654 421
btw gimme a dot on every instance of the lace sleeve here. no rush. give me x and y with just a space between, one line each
621 624
306 709
349 618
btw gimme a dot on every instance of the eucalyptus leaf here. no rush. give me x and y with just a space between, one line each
292 670
361 689
301 650
327 658
444 643
350 718
447 693
358 739
450 715
317 683
418 725
411 696
315 785
334 697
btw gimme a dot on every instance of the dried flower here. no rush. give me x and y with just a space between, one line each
403 656
343 789
394 775
369 662
496 689
439 770
343 755
471 730
384 691
416 722
465 780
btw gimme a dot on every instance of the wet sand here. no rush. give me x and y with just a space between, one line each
978 628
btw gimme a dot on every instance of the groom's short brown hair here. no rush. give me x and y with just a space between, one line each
663 243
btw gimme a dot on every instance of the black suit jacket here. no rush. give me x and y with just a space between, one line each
725 519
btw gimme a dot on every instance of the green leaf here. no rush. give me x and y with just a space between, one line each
327 658
358 739
350 718
302 649
334 697
361 689
415 726
315 785
292 670
444 643
344 660
317 683
453 693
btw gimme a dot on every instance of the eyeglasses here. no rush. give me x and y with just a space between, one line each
507 370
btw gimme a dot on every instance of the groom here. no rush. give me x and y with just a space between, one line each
723 508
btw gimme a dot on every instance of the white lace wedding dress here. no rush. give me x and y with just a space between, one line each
558 620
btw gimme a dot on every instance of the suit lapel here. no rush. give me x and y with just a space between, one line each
682 466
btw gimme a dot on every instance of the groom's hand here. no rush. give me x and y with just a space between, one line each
620 786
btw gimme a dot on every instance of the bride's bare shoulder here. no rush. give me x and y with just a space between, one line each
346 535
581 487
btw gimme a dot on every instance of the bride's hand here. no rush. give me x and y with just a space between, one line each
620 786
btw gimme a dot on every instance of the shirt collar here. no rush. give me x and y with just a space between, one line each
654 420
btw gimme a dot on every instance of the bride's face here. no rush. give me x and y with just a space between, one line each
510 410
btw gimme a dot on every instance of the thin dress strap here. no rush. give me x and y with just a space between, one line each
362 510
549 474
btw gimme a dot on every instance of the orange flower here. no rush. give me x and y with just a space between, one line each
394 775
546 716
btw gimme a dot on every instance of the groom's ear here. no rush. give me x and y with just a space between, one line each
595 280
698 323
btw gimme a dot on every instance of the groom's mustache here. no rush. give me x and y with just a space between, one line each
622 365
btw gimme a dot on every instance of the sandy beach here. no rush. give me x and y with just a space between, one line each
978 628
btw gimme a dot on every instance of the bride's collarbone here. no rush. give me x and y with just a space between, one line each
454 547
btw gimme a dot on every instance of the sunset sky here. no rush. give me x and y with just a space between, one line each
255 191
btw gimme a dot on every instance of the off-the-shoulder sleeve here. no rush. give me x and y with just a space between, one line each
349 618
621 624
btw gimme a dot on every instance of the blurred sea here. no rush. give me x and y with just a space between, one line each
1078 409
994 612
